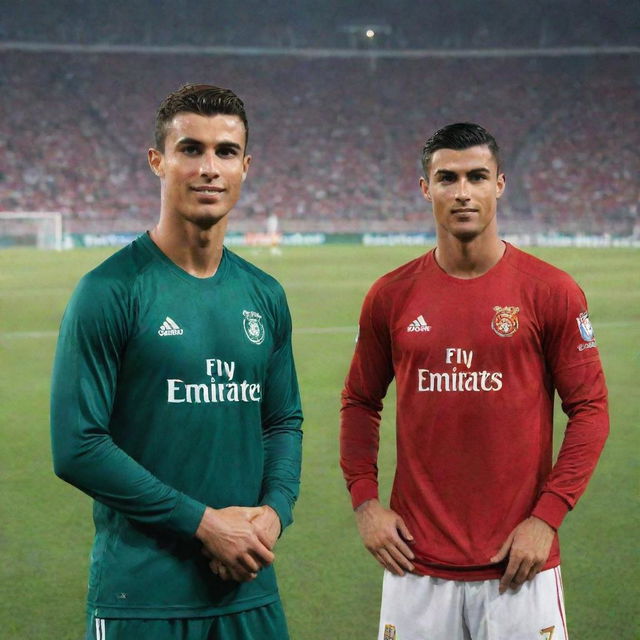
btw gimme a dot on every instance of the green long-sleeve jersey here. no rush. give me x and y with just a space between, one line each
170 393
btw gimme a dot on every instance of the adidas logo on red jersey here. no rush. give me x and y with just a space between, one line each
419 325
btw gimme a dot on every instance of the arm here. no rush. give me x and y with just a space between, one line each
383 531
282 433
92 337
583 393
578 377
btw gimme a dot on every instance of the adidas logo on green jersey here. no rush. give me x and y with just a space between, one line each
170 328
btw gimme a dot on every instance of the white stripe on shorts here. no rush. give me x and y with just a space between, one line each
560 597
100 629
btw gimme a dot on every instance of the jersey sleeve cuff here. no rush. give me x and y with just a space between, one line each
552 509
186 516
281 506
363 490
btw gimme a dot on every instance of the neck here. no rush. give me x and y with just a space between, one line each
468 259
196 250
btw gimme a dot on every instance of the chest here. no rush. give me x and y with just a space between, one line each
466 327
222 334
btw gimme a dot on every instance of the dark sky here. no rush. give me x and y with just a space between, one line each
304 23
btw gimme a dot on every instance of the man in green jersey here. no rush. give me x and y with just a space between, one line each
175 403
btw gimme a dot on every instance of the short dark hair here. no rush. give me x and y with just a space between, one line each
203 99
461 135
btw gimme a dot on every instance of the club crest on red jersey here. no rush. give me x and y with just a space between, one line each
505 322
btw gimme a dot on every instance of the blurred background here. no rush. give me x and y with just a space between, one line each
340 96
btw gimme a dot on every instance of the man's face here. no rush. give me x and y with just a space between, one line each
202 167
463 187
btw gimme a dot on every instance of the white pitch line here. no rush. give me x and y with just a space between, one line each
28 334
31 293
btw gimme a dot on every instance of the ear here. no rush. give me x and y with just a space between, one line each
501 183
424 187
246 161
156 162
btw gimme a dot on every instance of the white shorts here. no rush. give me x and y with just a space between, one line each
425 608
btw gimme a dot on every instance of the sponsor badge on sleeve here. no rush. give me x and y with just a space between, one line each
586 331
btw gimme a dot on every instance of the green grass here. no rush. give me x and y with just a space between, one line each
330 584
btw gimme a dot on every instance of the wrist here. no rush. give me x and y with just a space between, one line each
544 522
205 523
366 505
270 510
363 490
551 509
273 514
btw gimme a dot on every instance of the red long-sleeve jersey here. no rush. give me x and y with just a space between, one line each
476 363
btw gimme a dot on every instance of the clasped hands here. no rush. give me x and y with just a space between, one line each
239 541
387 537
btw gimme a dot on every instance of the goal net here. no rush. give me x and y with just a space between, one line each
40 229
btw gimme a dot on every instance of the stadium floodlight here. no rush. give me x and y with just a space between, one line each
368 34
42 229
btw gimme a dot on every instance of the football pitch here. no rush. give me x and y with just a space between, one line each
329 583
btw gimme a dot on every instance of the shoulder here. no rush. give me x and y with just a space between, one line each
397 281
123 264
112 281
239 267
539 272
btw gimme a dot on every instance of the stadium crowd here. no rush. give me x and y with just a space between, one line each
336 141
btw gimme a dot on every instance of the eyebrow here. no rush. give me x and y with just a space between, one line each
476 170
222 143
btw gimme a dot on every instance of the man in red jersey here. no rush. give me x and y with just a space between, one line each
478 336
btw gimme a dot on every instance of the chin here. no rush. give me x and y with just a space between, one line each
205 219
465 235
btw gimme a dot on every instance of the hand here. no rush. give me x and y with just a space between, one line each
385 535
222 571
528 547
231 541
267 523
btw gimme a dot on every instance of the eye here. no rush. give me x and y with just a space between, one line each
477 177
191 150
227 152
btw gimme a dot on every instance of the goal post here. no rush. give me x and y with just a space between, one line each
41 229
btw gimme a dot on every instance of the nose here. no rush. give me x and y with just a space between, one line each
462 193
209 166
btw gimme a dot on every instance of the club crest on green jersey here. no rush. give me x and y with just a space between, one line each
505 322
253 327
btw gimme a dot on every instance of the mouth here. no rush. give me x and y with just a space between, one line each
465 210
208 190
